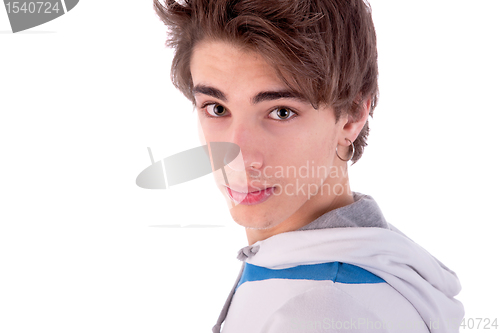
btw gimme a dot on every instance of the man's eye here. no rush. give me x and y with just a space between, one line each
282 113
216 110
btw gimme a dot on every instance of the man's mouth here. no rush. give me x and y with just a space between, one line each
250 198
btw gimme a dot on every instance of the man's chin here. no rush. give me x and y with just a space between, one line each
252 221
257 227
256 221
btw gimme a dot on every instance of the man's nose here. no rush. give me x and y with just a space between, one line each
247 137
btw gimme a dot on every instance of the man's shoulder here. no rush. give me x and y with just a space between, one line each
320 297
360 307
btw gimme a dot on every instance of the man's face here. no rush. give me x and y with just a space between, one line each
290 145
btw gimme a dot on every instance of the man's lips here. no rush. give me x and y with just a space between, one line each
250 198
246 190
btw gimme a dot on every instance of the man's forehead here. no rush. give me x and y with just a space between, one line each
217 67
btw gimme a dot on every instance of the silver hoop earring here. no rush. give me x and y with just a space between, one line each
352 154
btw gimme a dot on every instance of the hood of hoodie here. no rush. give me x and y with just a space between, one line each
358 234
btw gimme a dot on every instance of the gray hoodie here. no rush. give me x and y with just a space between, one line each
347 270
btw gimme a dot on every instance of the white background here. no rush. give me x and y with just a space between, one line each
83 249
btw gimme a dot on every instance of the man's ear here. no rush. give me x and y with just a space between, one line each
353 126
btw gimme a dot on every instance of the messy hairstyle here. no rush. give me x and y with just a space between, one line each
323 49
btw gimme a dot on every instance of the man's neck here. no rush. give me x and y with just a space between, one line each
310 211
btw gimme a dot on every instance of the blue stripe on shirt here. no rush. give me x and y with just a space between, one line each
333 271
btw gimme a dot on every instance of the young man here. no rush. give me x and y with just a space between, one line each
292 83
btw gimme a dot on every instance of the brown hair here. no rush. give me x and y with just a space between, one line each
323 49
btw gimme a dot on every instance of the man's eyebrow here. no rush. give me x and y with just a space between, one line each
210 91
260 97
272 95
